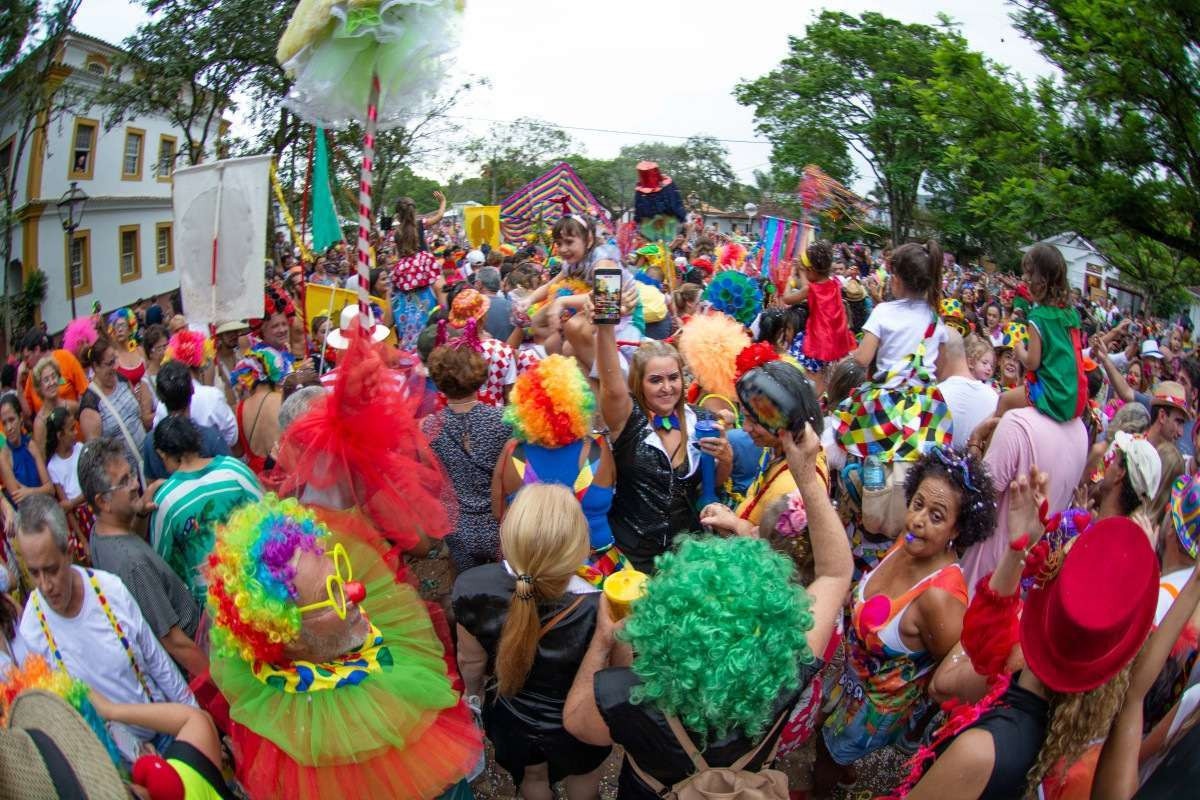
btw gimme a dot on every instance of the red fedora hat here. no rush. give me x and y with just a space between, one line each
650 179
1085 624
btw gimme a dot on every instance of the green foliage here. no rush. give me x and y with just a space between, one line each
20 310
699 165
853 85
190 60
1130 102
16 25
513 154
1153 268
997 182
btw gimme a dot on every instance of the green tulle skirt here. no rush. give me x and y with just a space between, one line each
400 732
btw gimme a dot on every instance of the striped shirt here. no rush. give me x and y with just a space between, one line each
190 506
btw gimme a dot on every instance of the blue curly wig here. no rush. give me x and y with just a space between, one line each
719 634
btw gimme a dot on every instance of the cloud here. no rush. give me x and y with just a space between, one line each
647 66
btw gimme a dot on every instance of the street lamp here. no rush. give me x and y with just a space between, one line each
751 209
70 214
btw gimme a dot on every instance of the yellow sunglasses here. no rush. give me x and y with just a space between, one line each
340 586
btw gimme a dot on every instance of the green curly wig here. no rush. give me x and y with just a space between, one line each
719 634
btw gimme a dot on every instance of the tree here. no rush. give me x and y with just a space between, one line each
851 85
515 153
1161 272
34 97
427 136
1130 96
610 180
997 182
700 165
15 28
192 58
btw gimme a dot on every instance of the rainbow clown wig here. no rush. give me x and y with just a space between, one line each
130 321
261 364
710 344
551 403
35 673
251 580
190 347
707 649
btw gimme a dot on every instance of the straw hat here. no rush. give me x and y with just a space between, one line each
232 326
1171 394
43 730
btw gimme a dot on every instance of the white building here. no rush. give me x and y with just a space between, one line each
122 251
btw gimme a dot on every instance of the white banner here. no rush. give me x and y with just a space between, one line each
225 201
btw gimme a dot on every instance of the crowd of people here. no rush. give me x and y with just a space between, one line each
895 527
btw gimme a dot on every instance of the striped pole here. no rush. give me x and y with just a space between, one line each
364 203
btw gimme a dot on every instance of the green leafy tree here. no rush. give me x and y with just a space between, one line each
610 180
427 136
700 165
192 57
513 154
1130 96
1161 272
30 37
998 181
851 85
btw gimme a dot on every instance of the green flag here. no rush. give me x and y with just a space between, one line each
325 228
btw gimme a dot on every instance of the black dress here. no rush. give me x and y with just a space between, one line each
469 446
528 729
644 733
1017 724
653 502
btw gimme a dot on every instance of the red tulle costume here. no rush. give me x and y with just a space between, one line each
383 737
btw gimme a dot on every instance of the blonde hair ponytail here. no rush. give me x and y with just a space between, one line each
544 538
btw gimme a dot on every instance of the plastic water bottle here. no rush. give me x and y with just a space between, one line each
705 429
873 477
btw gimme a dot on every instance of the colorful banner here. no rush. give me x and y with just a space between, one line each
782 241
533 203
482 224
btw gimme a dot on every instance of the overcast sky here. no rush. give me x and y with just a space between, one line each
651 68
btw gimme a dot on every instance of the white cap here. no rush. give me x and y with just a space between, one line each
475 257
1150 349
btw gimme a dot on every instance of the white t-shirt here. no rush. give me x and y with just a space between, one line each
64 472
208 407
900 326
971 401
92 652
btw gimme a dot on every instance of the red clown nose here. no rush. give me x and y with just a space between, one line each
355 592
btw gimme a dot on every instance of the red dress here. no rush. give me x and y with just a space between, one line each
827 336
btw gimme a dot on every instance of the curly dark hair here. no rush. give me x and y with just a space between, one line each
970 477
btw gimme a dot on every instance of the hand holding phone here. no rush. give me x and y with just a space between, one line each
606 295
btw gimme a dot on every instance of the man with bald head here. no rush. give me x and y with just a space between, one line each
971 400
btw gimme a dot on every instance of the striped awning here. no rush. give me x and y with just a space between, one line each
521 210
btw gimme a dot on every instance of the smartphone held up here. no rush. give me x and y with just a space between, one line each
606 295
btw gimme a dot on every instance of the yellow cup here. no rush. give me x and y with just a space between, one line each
622 588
